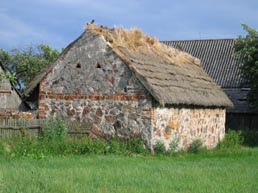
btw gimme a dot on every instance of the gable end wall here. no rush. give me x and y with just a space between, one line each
9 99
103 91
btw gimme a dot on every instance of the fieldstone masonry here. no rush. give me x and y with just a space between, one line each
186 124
109 117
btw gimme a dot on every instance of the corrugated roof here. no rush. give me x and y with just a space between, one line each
217 58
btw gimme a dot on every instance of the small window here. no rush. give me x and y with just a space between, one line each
78 65
98 65
242 99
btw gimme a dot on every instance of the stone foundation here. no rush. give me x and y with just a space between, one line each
185 125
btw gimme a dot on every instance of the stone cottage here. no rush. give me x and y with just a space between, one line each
10 98
128 84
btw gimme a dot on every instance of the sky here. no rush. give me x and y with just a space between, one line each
58 22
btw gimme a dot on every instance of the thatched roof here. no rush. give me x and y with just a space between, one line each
171 76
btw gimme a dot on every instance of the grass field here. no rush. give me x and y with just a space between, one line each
229 171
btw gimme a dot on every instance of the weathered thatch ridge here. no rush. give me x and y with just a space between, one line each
170 75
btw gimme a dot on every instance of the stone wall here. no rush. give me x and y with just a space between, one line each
111 116
186 125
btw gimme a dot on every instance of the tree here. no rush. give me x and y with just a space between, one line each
27 63
247 49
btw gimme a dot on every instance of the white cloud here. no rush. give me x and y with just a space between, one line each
16 33
40 21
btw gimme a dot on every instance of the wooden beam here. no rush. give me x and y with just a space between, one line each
5 91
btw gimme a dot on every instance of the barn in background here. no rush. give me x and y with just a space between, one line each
218 60
10 98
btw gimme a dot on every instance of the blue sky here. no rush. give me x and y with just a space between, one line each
58 22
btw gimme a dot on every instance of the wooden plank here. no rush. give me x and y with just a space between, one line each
5 92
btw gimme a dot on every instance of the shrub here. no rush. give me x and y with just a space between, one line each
233 139
22 146
117 146
160 148
174 146
98 146
196 146
55 130
136 145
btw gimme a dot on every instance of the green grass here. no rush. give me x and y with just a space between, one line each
212 172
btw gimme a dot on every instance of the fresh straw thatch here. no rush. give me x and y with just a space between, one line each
170 75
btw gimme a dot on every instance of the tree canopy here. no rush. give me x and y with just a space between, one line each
247 48
27 63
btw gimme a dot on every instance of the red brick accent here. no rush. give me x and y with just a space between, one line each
97 97
152 111
16 115
148 114
9 115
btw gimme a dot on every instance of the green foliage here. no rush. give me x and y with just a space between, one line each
21 146
10 77
117 147
196 146
54 141
136 145
27 63
174 146
247 48
233 139
160 148
55 130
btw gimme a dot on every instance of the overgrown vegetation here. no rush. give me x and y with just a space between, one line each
55 130
39 148
196 146
233 139
55 141
160 148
